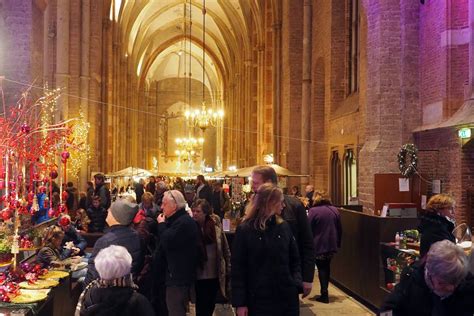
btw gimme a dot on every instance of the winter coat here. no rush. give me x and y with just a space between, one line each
325 222
206 194
139 190
97 217
104 193
413 297
266 271
121 236
294 214
151 187
178 247
433 228
222 256
71 234
117 301
72 202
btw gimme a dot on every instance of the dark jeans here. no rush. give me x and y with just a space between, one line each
206 292
324 272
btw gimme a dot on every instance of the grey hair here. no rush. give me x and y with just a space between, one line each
161 185
447 261
176 197
113 262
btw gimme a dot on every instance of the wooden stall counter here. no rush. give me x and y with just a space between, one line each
357 267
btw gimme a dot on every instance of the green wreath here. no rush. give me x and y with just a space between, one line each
407 169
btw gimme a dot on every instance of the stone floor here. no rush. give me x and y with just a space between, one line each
339 304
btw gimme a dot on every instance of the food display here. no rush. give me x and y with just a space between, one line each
54 274
29 296
38 284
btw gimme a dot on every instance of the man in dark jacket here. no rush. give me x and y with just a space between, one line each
203 190
97 215
295 214
441 286
119 217
178 236
102 191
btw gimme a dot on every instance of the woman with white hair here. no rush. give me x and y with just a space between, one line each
439 284
114 293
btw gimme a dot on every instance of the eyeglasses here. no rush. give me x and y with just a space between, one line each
174 199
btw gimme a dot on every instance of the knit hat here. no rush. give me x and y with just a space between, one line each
124 211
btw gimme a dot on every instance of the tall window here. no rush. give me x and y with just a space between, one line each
353 54
335 178
350 175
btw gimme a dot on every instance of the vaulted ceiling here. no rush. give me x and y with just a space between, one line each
161 43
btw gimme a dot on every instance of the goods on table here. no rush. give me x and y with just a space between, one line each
29 296
54 274
38 284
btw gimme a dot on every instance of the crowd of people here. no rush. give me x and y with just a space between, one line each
166 247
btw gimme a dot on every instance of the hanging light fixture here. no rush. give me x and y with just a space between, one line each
204 117
188 147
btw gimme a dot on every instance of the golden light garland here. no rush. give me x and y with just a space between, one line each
80 149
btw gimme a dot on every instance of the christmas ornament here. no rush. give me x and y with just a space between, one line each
53 174
410 152
25 128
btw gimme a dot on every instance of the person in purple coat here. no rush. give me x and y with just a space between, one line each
325 222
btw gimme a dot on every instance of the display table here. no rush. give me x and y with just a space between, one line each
357 267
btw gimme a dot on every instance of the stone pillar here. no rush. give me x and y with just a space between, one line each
471 49
85 78
277 88
47 35
62 56
306 93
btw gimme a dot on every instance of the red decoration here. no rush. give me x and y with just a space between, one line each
53 174
6 214
25 128
51 213
64 195
65 155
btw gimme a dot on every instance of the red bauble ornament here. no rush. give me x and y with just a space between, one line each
12 185
25 128
65 155
51 213
53 174
64 195
6 214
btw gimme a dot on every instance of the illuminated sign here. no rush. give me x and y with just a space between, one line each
464 133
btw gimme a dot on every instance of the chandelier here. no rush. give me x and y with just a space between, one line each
188 148
204 117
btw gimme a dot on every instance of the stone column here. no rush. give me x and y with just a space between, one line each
471 49
47 35
277 88
306 93
85 77
62 56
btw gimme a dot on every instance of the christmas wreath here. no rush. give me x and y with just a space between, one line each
408 168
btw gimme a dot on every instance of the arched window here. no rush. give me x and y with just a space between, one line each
353 46
350 176
335 178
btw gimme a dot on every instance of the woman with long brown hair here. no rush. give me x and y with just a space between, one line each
266 273
214 267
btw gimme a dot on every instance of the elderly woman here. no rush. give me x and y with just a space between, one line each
214 268
438 222
114 293
440 286
266 272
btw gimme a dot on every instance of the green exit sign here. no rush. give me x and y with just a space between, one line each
464 133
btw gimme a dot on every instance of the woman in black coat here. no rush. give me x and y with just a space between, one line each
437 223
266 273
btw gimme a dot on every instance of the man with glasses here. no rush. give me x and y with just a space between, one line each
440 284
177 250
